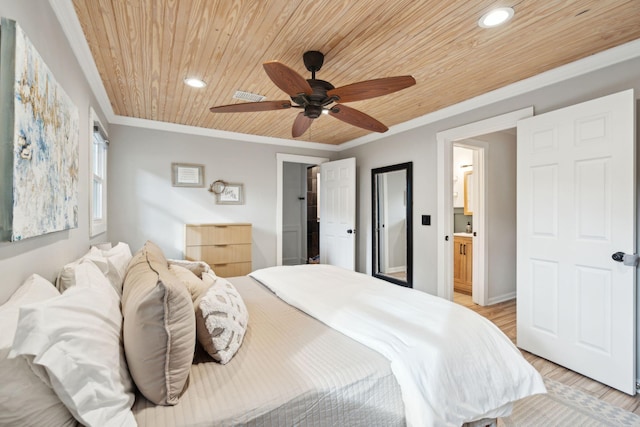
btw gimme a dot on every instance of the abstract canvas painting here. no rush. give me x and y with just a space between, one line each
39 128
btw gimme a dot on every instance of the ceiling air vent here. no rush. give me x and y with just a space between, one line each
248 96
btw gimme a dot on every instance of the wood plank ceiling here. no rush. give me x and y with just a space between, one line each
144 48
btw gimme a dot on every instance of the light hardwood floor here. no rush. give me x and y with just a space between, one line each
504 316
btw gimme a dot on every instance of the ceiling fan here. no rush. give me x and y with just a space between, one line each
316 96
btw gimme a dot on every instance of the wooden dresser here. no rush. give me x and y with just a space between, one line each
225 247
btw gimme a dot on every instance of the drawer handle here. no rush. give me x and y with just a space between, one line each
220 265
220 226
220 246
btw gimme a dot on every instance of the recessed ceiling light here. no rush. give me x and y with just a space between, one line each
495 17
194 82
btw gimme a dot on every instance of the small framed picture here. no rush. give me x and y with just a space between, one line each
233 194
187 175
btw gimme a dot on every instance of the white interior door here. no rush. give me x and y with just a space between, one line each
576 207
338 213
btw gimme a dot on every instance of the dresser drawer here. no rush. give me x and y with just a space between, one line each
223 234
232 269
219 254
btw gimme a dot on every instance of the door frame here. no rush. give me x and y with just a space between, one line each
281 158
444 149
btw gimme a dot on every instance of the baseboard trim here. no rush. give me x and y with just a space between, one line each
501 298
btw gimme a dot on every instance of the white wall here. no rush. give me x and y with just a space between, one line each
46 254
143 205
500 165
419 145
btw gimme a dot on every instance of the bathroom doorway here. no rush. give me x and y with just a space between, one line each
493 244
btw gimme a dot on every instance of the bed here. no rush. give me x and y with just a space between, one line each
322 346
299 365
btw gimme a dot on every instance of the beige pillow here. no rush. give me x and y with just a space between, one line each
159 327
221 320
197 286
196 267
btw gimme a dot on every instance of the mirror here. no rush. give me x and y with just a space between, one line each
392 247
468 193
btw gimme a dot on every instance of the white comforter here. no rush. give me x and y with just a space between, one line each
452 364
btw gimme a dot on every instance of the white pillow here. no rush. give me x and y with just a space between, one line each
103 246
221 320
76 337
24 399
118 258
67 275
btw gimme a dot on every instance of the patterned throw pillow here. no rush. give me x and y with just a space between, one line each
221 320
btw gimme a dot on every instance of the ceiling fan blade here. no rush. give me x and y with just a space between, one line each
357 118
371 88
300 125
246 107
287 79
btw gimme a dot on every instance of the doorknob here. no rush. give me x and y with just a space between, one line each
351 231
626 259
618 256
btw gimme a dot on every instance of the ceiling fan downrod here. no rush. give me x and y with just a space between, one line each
313 61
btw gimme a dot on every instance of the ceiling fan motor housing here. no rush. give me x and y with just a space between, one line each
313 104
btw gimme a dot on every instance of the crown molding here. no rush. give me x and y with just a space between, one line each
222 134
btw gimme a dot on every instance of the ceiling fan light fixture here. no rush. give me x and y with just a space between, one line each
194 82
495 17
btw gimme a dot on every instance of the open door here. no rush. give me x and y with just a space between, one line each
338 213
576 207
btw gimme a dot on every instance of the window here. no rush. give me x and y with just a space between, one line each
99 146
